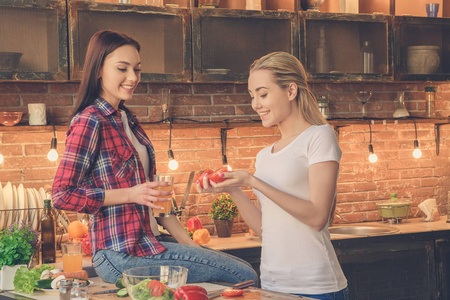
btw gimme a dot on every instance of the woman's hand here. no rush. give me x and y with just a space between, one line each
148 194
233 181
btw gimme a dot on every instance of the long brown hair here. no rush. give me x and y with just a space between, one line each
286 69
101 44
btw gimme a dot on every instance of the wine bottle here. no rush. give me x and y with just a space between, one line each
367 58
48 234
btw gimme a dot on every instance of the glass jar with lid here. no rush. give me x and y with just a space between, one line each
65 289
430 96
79 290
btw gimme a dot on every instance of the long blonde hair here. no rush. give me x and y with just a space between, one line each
286 69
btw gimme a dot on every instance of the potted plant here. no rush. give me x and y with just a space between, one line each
223 211
18 242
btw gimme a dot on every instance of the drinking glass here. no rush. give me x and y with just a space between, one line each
72 256
364 97
167 205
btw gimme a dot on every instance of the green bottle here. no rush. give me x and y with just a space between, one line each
48 234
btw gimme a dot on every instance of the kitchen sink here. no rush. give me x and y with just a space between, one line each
360 230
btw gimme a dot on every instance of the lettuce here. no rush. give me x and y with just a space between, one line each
25 279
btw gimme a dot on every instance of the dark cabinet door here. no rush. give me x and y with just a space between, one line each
164 34
33 40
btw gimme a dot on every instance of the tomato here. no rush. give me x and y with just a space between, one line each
193 224
156 288
201 175
232 293
216 175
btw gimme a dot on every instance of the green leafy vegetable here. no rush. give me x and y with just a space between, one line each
25 279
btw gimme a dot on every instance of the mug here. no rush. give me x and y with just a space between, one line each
37 114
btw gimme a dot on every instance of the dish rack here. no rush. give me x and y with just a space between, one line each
32 216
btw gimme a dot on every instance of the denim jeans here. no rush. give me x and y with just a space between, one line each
204 264
340 295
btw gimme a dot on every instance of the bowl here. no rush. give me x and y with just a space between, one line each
10 118
394 209
423 59
136 279
9 61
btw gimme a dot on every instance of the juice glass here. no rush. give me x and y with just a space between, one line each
166 204
72 256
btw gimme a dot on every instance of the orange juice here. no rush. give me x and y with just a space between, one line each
166 204
72 262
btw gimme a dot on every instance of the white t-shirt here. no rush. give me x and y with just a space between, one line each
295 258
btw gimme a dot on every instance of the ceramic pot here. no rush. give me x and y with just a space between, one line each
422 59
311 4
223 227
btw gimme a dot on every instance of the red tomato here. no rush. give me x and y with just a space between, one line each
232 293
156 288
201 175
193 224
216 175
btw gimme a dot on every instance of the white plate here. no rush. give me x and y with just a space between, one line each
39 204
16 204
9 202
42 194
3 216
23 203
32 213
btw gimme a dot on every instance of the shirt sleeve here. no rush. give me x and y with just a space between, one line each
73 187
323 146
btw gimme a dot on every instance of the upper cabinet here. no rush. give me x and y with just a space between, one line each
422 48
226 42
33 40
164 34
346 46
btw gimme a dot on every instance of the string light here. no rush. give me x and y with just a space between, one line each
372 156
173 164
416 153
53 154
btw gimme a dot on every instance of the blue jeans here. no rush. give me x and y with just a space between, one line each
204 264
341 295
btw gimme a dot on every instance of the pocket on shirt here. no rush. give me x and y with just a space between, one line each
122 162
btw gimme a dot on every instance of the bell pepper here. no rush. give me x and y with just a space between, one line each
193 224
191 292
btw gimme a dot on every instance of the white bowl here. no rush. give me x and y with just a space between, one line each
423 59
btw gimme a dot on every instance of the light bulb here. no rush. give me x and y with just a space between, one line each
373 158
1 159
52 155
417 153
173 164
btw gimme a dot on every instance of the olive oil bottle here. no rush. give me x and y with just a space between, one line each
48 234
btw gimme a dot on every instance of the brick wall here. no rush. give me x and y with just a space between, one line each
361 184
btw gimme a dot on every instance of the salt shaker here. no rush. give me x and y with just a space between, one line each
79 290
65 289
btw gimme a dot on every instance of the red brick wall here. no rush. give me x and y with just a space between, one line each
361 184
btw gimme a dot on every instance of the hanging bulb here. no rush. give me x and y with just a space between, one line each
1 159
173 164
52 154
372 156
417 153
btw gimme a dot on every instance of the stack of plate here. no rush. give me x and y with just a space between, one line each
20 203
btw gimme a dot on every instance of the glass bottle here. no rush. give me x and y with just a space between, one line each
430 96
79 290
323 102
321 53
367 58
65 289
48 234
400 109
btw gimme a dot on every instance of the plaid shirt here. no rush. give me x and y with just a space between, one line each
98 157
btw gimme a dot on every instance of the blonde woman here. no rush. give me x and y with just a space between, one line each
295 182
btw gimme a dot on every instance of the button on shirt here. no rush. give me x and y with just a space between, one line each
99 156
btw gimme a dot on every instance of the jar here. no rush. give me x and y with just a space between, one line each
65 289
430 96
323 102
79 290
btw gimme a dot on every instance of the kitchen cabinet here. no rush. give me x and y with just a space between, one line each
422 48
226 42
33 40
331 45
164 34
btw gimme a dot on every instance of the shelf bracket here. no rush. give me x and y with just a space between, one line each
437 136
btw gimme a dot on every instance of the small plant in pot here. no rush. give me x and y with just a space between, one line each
223 211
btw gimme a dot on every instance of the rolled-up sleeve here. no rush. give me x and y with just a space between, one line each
73 189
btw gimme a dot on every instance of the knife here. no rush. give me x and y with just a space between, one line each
241 285
186 193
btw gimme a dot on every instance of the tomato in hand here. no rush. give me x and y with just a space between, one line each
156 288
216 175
193 224
201 175
232 293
